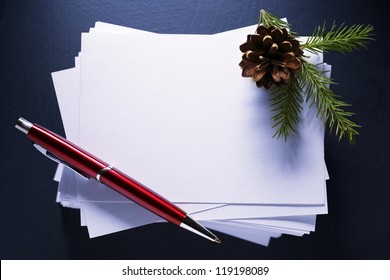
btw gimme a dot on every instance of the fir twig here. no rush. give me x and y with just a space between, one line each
268 20
329 107
287 107
312 83
341 39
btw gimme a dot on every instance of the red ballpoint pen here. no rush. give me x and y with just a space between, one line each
61 150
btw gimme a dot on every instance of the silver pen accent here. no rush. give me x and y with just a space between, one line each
23 125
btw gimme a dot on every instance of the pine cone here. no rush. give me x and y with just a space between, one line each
270 56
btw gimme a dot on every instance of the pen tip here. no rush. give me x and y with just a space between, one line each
197 228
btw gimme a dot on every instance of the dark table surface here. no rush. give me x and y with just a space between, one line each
40 37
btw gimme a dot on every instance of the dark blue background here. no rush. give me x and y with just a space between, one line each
39 37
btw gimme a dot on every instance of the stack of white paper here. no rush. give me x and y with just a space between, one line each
173 112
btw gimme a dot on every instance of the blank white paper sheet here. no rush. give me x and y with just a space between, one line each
173 112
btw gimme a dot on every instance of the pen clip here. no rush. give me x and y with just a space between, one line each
56 159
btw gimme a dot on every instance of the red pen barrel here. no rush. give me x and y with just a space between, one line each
142 195
66 151
113 178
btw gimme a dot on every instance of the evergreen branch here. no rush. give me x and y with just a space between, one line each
311 83
329 107
268 20
287 102
342 39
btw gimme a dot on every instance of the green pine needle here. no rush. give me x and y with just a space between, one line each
341 39
287 107
329 107
268 20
